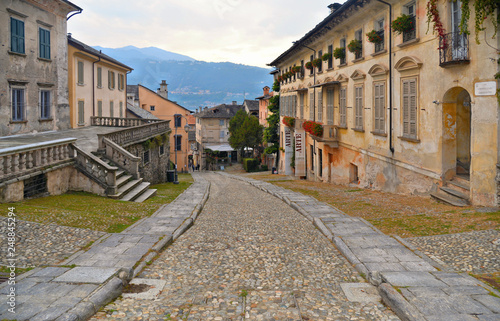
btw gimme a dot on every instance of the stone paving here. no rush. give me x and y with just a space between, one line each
477 252
44 244
250 256
80 286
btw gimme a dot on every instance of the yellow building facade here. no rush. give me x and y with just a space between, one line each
97 84
397 114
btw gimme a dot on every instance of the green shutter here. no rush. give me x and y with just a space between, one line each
17 35
121 109
80 73
99 77
99 108
111 109
81 112
44 41
320 106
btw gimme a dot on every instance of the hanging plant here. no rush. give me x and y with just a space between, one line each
317 62
313 128
403 23
280 78
355 46
289 121
339 53
374 37
296 69
309 65
433 16
326 56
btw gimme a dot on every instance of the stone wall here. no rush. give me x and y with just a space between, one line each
155 170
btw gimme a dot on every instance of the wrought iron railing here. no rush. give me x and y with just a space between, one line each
412 33
453 48
379 46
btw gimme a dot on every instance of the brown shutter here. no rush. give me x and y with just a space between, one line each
406 106
413 108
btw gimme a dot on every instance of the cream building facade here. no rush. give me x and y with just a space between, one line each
97 84
33 66
399 115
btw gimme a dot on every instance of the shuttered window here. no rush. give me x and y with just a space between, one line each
329 106
44 42
358 107
99 108
80 72
410 108
294 106
45 103
111 109
301 106
311 108
379 107
99 77
320 106
18 104
111 80
81 112
16 35
121 109
342 107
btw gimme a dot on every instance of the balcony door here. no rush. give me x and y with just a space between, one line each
458 42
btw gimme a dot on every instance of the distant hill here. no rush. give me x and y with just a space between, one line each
192 83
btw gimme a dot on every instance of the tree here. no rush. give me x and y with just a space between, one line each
271 133
244 131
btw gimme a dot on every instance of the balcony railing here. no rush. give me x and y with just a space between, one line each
453 49
120 122
379 46
412 33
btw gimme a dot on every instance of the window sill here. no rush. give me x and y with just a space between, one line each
45 59
46 120
99 87
381 52
409 43
379 134
329 69
359 130
358 60
17 53
342 65
409 139
81 124
319 72
342 127
18 122
79 84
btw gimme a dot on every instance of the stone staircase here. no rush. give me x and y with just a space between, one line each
456 192
128 188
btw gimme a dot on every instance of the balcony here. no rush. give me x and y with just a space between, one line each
453 49
330 136
412 33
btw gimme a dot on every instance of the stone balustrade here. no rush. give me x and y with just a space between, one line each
120 122
133 135
121 157
94 167
20 160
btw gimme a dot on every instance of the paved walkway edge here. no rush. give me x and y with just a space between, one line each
413 285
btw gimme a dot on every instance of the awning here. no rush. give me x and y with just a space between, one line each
220 147
326 84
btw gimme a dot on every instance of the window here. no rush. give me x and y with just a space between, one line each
410 108
18 104
320 67
177 121
358 107
302 98
301 69
311 106
320 106
358 35
121 81
81 112
111 79
80 72
379 28
329 106
145 157
44 42
343 46
330 60
221 122
162 149
409 9
45 104
312 69
379 107
221 134
152 108
342 107
121 109
178 142
312 157
99 108
16 35
99 77
111 109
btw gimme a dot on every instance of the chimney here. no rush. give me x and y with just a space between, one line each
334 6
234 102
266 91
163 91
205 108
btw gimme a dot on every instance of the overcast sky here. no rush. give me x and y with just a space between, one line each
251 32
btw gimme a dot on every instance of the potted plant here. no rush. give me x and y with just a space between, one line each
289 121
355 46
309 65
326 56
339 53
317 62
374 37
313 128
402 24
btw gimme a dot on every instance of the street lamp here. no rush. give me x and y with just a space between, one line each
186 128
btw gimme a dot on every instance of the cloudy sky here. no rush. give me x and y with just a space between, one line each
251 32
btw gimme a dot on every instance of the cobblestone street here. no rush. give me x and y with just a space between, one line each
249 256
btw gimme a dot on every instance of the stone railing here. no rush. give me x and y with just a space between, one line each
133 135
330 136
120 156
120 122
95 168
20 160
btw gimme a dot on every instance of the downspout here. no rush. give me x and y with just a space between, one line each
93 83
78 12
391 147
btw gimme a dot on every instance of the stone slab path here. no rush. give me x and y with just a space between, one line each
250 256
80 286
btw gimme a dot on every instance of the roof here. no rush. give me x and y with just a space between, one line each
219 111
338 13
139 112
133 89
251 105
83 47
154 92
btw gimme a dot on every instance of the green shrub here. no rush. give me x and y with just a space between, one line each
264 168
250 164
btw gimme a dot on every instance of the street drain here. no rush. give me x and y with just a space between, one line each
208 246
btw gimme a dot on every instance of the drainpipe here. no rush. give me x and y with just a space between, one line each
78 12
93 82
391 147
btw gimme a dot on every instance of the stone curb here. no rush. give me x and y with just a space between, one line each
321 226
435 262
404 310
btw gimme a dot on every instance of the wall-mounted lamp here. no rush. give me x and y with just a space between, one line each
437 102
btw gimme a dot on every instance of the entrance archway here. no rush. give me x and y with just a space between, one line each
456 132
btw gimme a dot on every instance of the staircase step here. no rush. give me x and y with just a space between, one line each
144 196
455 193
126 188
122 180
119 174
447 198
459 186
136 192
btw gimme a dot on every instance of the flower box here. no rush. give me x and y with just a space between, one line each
313 128
289 121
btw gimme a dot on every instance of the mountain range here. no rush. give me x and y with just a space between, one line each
192 83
